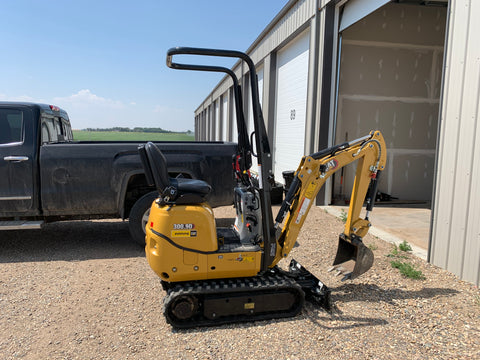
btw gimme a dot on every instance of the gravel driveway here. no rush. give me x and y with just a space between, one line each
83 290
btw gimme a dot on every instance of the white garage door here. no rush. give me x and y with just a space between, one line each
208 122
224 117
233 119
250 125
250 106
217 120
356 10
291 104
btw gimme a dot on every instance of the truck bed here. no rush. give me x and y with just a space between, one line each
89 177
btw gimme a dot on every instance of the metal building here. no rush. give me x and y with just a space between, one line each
331 70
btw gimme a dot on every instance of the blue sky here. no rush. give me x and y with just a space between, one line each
104 61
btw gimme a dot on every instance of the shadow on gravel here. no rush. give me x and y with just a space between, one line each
69 241
339 323
373 293
368 293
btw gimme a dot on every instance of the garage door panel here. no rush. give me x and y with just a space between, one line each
233 119
217 120
400 23
398 72
291 97
412 176
225 117
404 125
250 125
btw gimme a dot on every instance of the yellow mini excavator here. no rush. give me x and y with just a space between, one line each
229 274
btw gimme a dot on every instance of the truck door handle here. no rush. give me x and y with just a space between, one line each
15 158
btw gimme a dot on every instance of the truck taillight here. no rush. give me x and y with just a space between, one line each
54 108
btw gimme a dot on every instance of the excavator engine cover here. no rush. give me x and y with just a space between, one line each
354 249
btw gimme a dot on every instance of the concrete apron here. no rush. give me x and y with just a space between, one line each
396 224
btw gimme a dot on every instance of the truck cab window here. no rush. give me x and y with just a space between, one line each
67 133
45 133
49 130
11 126
59 129
54 129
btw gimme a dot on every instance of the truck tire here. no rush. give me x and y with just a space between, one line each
139 217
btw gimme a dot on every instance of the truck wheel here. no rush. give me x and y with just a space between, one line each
139 216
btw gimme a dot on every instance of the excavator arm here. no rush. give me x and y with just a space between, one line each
370 154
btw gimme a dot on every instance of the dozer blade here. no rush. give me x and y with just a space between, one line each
353 249
315 291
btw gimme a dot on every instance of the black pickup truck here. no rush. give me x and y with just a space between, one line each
46 176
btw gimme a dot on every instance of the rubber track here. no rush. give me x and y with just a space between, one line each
258 285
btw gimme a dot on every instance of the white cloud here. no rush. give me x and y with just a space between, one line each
89 110
85 96
25 98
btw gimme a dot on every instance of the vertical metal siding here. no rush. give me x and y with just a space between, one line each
455 241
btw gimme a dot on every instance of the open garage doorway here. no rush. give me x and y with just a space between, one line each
389 78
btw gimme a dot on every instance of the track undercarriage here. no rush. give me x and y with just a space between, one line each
274 294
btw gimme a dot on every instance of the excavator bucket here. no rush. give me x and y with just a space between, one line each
353 249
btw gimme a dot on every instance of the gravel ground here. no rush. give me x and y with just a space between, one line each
83 290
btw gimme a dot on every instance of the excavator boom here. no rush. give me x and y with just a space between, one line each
370 154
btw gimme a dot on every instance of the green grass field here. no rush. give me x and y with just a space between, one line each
82 135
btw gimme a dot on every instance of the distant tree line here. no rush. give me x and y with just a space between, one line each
138 129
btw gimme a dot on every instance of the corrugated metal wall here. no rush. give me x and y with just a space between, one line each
455 240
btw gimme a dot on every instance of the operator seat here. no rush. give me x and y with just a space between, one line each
171 190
